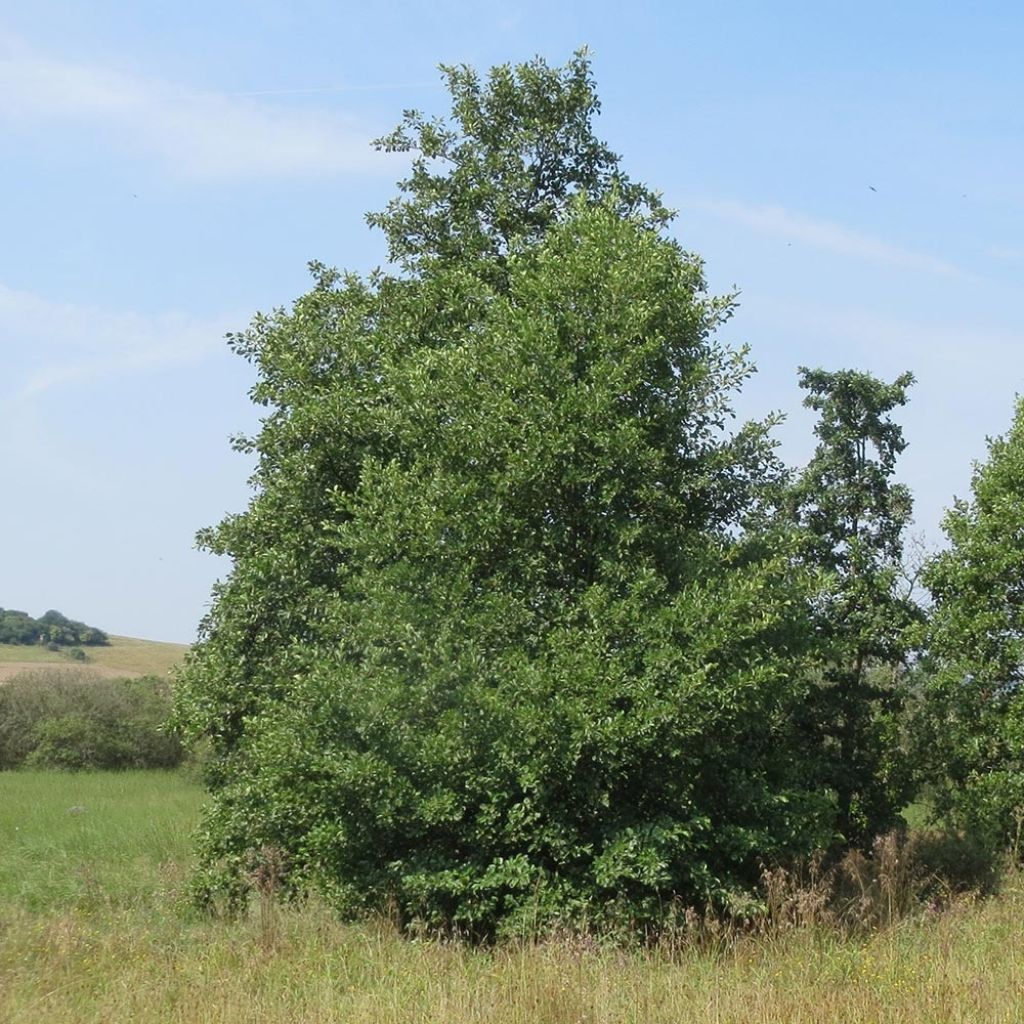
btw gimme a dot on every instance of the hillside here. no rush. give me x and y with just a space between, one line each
124 656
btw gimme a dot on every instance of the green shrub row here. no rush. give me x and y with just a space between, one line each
72 720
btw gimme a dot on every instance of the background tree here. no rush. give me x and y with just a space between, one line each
853 519
18 627
52 627
495 648
972 734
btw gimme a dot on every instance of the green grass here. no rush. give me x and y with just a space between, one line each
73 840
92 931
124 654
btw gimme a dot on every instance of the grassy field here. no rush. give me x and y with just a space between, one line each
76 841
125 656
93 929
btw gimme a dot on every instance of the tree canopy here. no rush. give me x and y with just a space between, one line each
50 628
496 646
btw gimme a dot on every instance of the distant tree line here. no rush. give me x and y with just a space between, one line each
18 627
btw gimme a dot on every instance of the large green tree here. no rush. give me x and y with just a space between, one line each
496 647
503 167
853 517
973 729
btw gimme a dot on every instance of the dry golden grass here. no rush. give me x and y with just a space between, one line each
125 656
965 966
146 657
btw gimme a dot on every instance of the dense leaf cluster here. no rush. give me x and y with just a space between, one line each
971 733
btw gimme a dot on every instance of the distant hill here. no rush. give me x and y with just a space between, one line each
122 656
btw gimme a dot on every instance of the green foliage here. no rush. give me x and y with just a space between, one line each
972 734
18 628
508 164
52 629
852 517
75 721
495 647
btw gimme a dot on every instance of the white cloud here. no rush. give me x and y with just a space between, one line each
204 135
48 345
782 223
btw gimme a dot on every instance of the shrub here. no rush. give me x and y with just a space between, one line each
951 862
72 720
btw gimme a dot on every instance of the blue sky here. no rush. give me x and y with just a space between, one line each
168 170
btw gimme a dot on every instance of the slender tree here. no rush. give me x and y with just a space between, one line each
853 517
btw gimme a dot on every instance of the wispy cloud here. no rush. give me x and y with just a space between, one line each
326 90
1006 252
203 135
49 345
950 351
827 235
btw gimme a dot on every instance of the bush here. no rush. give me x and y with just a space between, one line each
72 720
951 862
75 742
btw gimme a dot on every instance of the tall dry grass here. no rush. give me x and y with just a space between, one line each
115 944
963 965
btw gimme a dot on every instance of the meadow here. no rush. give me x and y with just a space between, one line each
94 927
123 656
